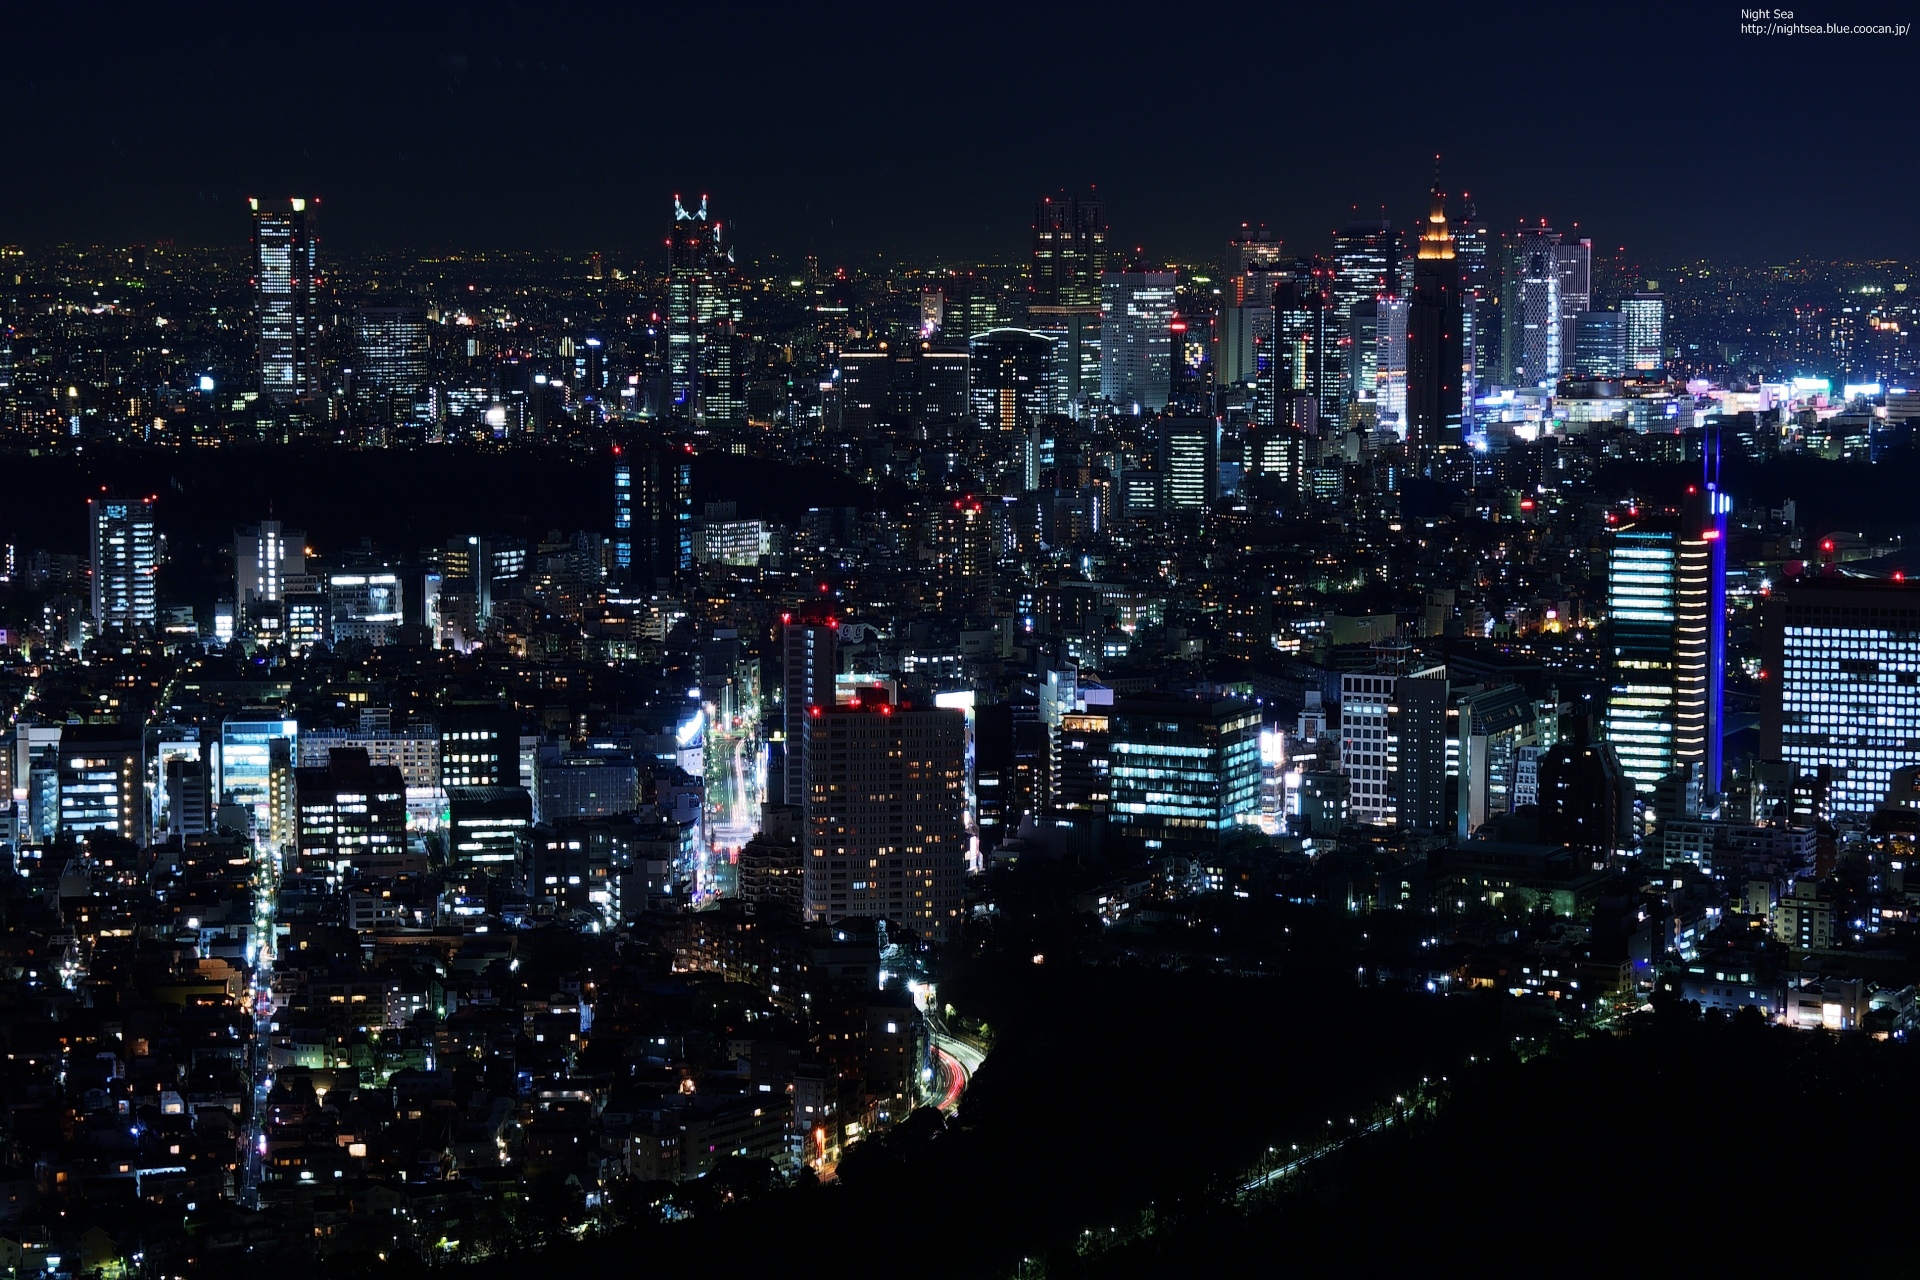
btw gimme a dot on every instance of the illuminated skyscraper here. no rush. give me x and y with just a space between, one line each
701 316
808 662
1136 339
1644 318
1599 341
1479 311
1436 363
264 557
286 282
1530 308
652 516
1841 685
1010 379
392 347
1305 338
126 558
1069 253
1189 451
1183 773
1666 597
884 793
1573 261
1366 264
1390 362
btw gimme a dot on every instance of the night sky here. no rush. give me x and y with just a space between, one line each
926 130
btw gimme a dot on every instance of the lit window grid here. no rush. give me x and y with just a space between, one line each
1863 723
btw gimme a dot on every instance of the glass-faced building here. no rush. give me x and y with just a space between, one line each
1182 773
126 556
286 286
1841 683
246 762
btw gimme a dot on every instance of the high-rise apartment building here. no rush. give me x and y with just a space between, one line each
1436 358
884 788
1136 339
809 659
286 286
126 559
1393 748
1841 685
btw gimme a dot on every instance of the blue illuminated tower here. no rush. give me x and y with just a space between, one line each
1667 601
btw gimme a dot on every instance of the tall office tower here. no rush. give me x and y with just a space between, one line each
1644 318
1366 264
1479 310
286 286
1437 363
1363 350
393 345
1189 450
1243 339
1573 261
1599 345
1305 341
1183 773
652 515
1136 339
348 810
1069 252
884 789
264 557
102 772
1530 308
809 659
126 557
1010 379
1666 594
701 315
1253 250
1840 672
1390 362
1393 748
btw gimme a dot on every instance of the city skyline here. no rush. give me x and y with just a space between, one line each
1018 640
449 141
